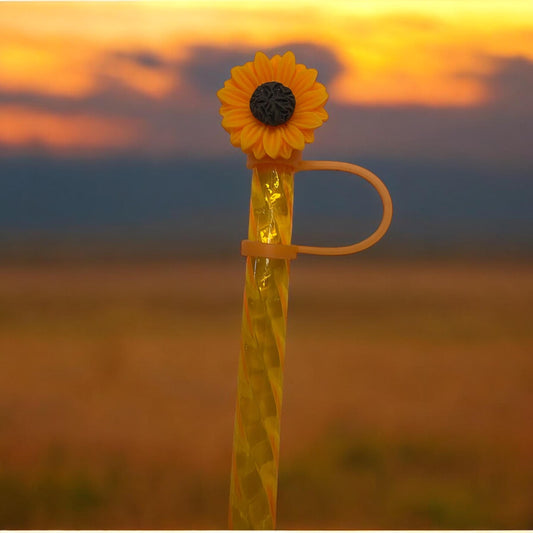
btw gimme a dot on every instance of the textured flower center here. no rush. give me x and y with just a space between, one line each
272 103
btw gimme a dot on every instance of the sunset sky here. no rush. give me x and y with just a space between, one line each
434 78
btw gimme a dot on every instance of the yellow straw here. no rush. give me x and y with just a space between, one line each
254 476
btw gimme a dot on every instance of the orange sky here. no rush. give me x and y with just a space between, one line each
432 53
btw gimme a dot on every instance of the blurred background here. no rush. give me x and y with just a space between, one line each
408 399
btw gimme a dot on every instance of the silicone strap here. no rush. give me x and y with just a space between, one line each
283 251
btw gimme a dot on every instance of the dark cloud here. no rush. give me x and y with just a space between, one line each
111 99
143 58
511 84
497 131
314 56
208 67
482 135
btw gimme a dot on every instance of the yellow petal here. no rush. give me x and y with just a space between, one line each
244 79
224 108
309 135
322 113
259 150
233 96
250 135
237 118
305 120
235 138
317 85
263 68
293 136
285 71
311 100
275 62
286 151
303 80
272 141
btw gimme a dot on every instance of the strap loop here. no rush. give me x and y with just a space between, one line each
283 251
272 251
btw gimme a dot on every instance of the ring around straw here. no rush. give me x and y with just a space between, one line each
270 108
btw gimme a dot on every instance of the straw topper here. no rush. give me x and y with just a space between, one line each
271 108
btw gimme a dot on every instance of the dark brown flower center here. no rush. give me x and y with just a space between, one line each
272 103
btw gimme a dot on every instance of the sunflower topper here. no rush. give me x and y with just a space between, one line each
271 107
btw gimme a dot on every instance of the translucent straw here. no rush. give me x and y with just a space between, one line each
255 463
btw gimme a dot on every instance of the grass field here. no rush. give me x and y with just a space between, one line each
408 398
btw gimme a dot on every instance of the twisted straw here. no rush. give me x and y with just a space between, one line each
254 476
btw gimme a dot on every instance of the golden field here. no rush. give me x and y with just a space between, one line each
408 399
